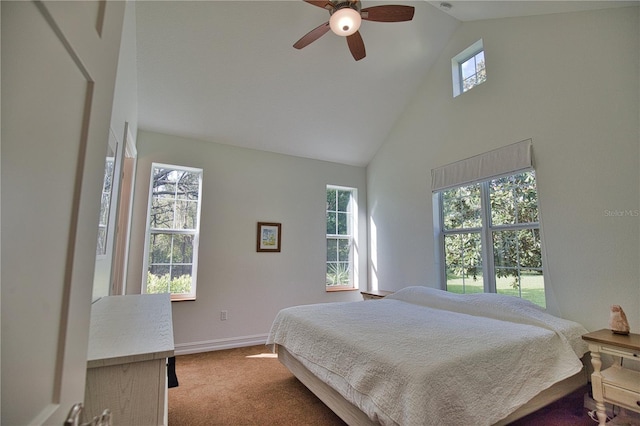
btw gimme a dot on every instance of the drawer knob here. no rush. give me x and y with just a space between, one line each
638 403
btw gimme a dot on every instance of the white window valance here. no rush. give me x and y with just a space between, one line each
503 161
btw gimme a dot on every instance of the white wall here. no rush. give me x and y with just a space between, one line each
125 99
571 83
240 188
125 110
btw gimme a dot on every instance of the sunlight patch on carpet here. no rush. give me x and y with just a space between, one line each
265 355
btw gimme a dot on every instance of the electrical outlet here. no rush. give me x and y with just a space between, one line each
223 315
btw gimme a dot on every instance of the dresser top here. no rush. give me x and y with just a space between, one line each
630 341
130 329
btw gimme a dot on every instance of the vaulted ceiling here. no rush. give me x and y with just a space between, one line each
226 71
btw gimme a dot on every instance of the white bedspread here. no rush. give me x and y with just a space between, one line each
427 357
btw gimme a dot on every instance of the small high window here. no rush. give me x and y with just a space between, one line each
468 68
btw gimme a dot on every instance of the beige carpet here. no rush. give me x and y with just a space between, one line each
244 386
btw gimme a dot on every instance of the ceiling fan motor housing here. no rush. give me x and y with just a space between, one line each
355 5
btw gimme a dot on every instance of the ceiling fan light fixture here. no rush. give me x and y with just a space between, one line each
345 21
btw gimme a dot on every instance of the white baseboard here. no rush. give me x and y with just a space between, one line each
220 344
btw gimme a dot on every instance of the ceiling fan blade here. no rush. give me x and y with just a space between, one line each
312 35
356 46
388 13
325 4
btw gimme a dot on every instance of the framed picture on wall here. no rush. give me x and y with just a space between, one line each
269 235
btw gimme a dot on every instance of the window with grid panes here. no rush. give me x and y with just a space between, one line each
341 226
468 68
491 237
173 226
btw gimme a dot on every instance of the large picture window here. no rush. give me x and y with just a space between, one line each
487 224
171 254
490 236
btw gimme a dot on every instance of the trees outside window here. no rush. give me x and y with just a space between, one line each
341 233
490 237
472 71
172 231
105 204
468 68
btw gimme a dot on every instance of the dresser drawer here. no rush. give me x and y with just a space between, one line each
619 396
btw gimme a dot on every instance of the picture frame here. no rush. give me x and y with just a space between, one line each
269 237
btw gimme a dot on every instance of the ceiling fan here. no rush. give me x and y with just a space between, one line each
346 17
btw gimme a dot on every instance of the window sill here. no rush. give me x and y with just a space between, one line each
180 298
331 289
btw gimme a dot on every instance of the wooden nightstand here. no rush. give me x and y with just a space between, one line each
616 385
373 295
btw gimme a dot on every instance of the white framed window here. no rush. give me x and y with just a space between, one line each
173 228
105 205
342 253
468 68
488 232
106 197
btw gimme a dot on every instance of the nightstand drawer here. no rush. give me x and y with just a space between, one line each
617 351
622 378
619 396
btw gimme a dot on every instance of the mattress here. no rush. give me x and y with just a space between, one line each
423 355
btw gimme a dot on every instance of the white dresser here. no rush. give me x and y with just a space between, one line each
130 339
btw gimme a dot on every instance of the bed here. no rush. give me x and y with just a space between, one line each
423 356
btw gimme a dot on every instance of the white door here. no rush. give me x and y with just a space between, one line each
59 62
